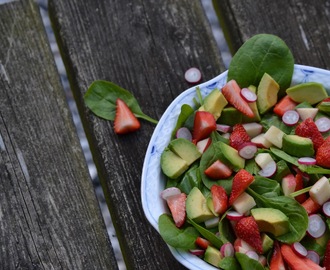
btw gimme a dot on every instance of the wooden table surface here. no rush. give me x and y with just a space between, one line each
50 217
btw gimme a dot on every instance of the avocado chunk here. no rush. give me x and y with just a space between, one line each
230 116
267 242
212 256
310 92
172 165
214 103
196 206
254 108
271 220
230 156
185 149
267 93
297 146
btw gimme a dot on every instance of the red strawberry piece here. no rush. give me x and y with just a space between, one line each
285 104
204 124
308 129
177 205
241 181
218 170
323 154
311 206
202 242
238 136
326 260
295 262
247 229
300 185
276 261
219 198
125 121
232 93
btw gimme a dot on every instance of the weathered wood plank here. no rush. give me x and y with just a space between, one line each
49 215
302 24
144 46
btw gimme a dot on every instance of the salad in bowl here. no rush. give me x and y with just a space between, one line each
236 172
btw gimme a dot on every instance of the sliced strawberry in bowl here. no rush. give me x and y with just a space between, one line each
241 181
219 198
308 129
177 206
238 136
204 124
218 170
125 121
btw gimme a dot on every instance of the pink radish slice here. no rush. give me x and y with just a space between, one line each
247 150
313 256
252 255
172 191
197 252
227 250
316 226
299 249
326 208
248 95
193 75
323 124
184 133
269 170
307 161
223 128
233 215
290 118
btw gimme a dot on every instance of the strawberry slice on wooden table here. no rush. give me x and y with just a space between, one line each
177 206
247 229
238 136
219 198
232 93
308 129
204 124
218 170
125 121
241 182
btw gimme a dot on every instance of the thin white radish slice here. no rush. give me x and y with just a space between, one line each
252 255
227 250
193 75
290 118
248 95
307 161
326 208
269 170
197 252
223 128
184 133
299 249
168 192
247 150
313 256
233 215
316 226
211 223
323 124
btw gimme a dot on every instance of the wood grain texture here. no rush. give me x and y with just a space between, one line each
304 25
49 214
144 46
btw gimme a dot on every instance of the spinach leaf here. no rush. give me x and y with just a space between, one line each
178 238
259 54
263 185
186 111
270 119
226 231
297 215
247 263
101 98
191 178
229 263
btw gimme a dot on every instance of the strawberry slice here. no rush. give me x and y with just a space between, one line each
232 92
285 104
125 121
326 260
202 242
218 170
323 154
276 261
204 124
247 229
177 206
300 185
238 136
219 198
308 129
241 181
311 206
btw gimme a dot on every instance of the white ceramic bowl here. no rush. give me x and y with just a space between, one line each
153 181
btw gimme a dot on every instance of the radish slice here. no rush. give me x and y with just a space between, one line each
299 249
171 191
211 223
307 161
233 215
227 250
248 95
193 75
197 252
313 256
252 255
316 226
184 133
326 208
247 150
223 128
269 170
290 118
323 124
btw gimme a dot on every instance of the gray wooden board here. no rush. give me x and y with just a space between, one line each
144 46
49 214
302 24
